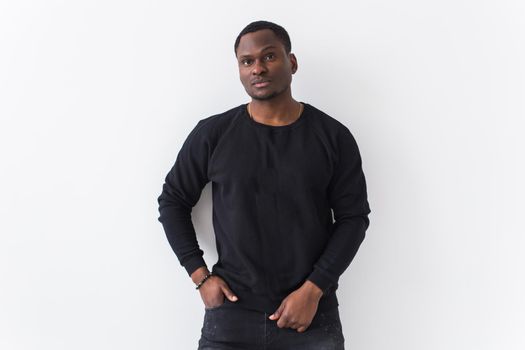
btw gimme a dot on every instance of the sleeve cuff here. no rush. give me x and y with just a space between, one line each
193 264
320 280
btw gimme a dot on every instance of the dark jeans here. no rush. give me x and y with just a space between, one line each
227 327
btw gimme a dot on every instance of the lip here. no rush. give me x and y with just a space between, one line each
260 84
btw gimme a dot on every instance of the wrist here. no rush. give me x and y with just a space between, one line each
199 274
203 280
313 289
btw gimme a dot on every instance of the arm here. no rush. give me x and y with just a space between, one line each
181 191
347 196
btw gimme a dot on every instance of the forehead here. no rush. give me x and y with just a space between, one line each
252 43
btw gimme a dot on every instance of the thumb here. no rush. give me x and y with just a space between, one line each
277 313
229 294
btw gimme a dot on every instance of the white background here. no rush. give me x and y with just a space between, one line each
96 98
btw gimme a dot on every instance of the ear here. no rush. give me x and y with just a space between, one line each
293 61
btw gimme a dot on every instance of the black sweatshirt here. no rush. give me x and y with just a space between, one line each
274 189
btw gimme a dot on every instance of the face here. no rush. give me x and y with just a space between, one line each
261 57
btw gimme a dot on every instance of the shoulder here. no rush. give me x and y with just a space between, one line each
216 124
328 126
213 126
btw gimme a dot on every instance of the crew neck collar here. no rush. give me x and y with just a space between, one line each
292 125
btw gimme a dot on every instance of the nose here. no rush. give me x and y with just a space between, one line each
258 67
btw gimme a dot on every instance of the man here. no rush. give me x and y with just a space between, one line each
278 168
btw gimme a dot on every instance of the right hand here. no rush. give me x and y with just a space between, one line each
214 290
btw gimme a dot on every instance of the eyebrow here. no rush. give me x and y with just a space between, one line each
265 48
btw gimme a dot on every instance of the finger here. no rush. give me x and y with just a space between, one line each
293 325
283 322
301 329
229 294
277 313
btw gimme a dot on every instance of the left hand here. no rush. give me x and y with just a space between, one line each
298 309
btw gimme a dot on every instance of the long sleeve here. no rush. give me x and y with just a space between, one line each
347 195
180 192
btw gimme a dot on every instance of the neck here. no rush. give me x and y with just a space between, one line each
275 111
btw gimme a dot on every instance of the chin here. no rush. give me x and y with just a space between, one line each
267 96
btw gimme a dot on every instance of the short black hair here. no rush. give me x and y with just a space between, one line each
279 31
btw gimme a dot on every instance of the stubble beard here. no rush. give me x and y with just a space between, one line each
269 96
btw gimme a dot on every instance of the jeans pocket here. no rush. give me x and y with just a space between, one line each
216 307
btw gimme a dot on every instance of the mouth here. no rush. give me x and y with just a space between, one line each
261 84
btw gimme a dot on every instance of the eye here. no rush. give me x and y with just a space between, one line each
271 55
243 62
